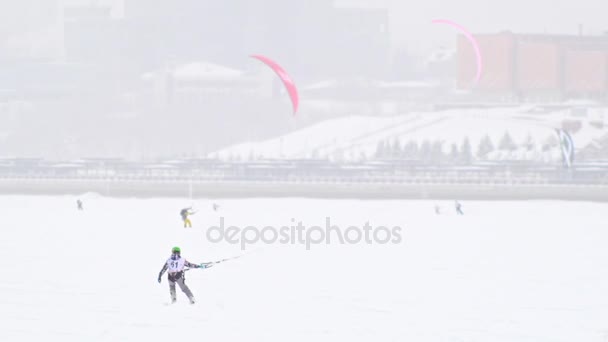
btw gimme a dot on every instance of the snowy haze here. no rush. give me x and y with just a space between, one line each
147 79
410 24
505 271
172 82
153 97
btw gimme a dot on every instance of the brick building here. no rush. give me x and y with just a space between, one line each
536 67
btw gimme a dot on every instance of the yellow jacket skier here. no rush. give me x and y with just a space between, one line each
184 214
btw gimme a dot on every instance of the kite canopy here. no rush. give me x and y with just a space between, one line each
471 39
566 145
287 81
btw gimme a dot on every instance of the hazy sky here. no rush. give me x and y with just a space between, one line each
410 20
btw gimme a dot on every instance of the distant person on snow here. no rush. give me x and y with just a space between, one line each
175 265
437 210
79 204
184 213
215 206
458 208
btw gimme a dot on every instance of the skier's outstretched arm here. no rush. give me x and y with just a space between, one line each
162 271
202 265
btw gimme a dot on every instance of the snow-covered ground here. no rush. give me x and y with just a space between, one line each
354 136
505 271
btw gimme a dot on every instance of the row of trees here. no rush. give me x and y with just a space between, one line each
435 151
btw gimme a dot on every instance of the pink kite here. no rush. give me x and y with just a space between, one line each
287 82
471 39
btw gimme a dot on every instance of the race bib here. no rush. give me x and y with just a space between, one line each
176 265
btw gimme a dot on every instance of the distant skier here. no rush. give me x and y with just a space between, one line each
176 266
184 213
215 206
458 208
437 210
79 204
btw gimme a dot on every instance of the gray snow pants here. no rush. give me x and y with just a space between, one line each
182 285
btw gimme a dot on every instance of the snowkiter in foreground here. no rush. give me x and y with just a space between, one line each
175 266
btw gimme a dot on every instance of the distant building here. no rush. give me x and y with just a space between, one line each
536 67
362 41
30 30
201 82
312 39
91 35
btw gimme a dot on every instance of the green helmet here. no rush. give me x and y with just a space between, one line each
176 250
